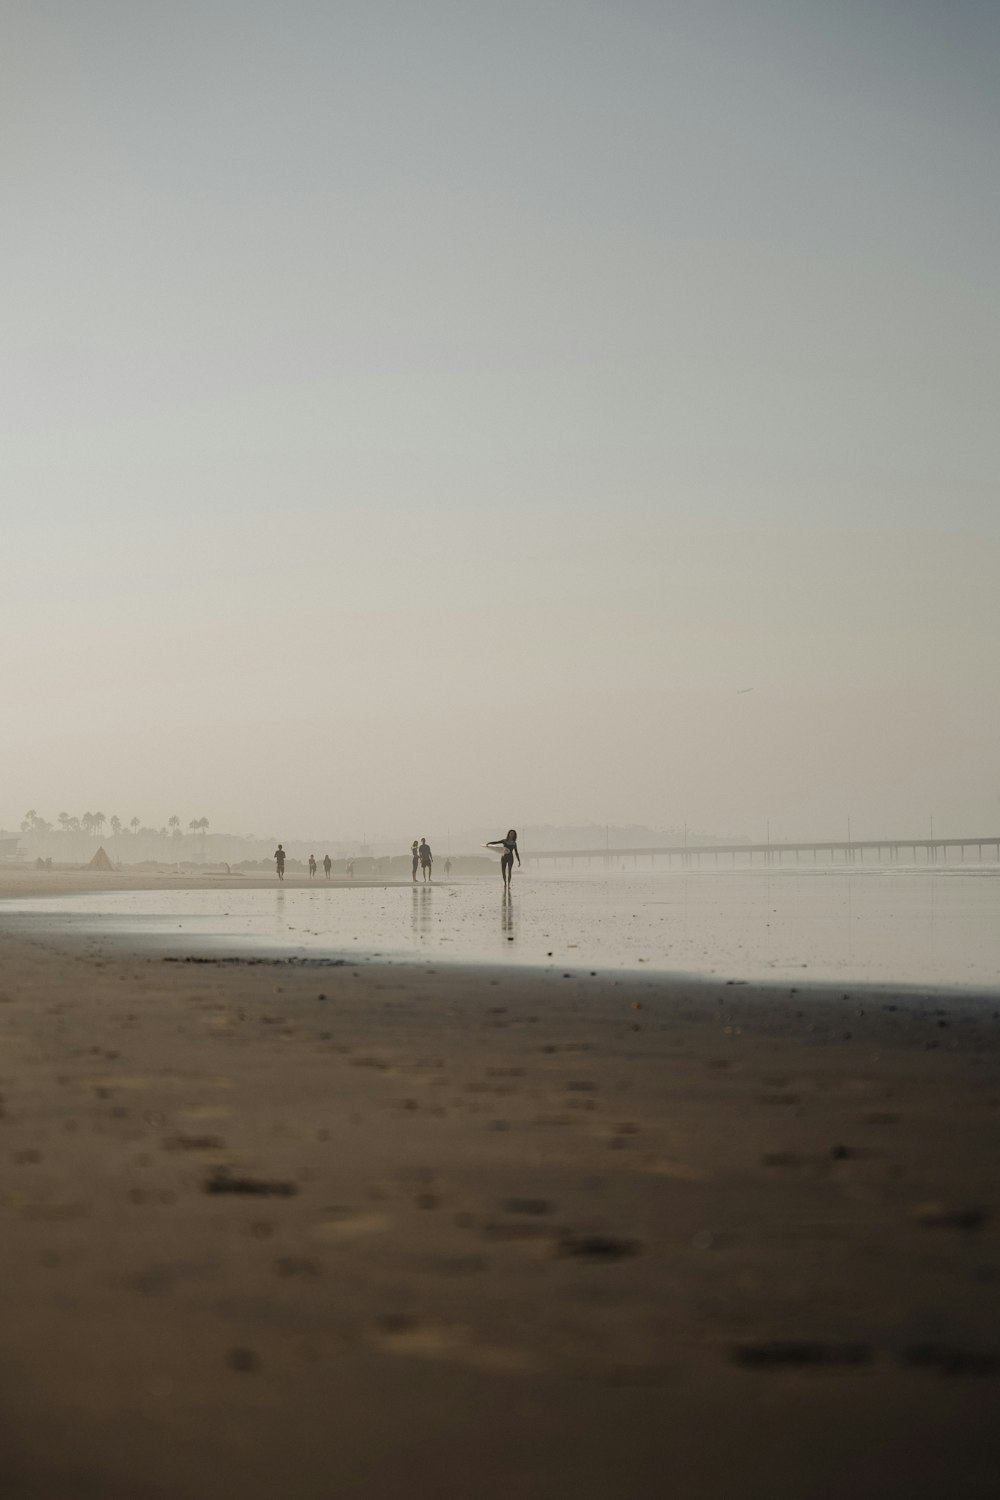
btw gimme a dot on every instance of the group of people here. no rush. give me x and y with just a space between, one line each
279 863
423 859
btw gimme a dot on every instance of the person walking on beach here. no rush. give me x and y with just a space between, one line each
426 859
327 865
509 847
447 867
312 867
415 851
279 860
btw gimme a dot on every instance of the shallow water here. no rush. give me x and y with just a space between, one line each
881 926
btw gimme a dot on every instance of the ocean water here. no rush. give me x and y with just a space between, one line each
886 926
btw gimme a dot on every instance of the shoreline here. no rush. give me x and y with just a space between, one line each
38 885
385 1230
33 885
72 935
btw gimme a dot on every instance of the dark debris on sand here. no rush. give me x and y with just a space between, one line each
222 1181
776 1354
595 1247
948 1360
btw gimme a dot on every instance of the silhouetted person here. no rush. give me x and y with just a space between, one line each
447 867
279 860
426 858
415 851
509 847
350 869
312 867
327 865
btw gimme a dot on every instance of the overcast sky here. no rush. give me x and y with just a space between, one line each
422 413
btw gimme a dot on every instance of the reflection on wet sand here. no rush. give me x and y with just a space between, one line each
420 910
882 926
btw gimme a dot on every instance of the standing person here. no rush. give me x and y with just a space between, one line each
350 869
426 858
415 851
327 865
312 867
447 867
509 847
279 860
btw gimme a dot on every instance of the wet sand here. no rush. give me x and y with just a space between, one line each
293 1231
26 883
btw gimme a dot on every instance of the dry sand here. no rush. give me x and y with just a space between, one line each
287 1231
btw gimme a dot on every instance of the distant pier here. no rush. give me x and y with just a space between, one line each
845 851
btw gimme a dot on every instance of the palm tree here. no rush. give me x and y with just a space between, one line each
134 825
99 821
174 824
32 823
87 822
116 825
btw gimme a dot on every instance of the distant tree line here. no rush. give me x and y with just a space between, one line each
93 824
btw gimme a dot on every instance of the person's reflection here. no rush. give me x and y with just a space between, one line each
420 909
507 915
280 921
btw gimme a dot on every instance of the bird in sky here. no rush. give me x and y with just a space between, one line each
743 690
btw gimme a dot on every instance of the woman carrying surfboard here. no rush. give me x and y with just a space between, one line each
509 847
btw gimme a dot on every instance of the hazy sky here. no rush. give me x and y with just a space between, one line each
420 413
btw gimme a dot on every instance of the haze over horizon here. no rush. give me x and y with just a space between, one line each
440 416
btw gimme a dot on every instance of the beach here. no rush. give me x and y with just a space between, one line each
304 1228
